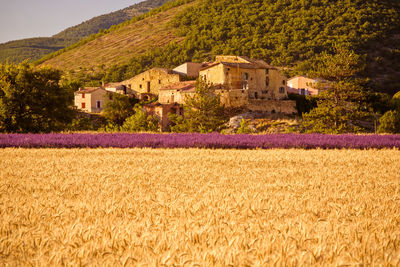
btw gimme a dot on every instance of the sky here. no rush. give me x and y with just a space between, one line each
21 19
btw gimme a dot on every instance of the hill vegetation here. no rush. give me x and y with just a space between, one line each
35 48
285 33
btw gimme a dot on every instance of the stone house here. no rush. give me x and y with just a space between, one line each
161 112
146 84
256 77
90 99
176 93
303 85
190 69
249 83
118 88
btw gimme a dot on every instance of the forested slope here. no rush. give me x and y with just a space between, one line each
35 48
283 32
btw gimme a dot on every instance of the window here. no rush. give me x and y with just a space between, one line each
148 87
140 86
256 95
284 82
83 95
245 76
98 104
229 69
83 105
282 90
266 81
264 92
159 81
266 71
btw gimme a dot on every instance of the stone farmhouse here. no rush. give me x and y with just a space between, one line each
302 85
90 99
248 83
146 85
240 82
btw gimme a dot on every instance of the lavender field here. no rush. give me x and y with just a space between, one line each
214 140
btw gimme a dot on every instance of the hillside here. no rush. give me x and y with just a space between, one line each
35 48
283 32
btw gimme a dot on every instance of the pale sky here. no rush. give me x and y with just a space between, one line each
21 19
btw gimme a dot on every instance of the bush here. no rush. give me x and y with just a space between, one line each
390 122
140 122
244 127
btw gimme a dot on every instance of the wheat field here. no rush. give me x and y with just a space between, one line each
197 207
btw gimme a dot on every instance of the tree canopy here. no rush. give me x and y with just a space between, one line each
342 106
33 100
203 112
118 108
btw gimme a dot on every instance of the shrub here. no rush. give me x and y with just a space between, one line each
244 127
140 122
390 122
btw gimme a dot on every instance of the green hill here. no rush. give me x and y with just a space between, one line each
35 48
288 33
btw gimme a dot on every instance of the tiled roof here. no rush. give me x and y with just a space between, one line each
112 85
253 64
88 90
187 86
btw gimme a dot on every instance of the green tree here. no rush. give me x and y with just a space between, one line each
395 102
118 108
342 107
33 100
203 112
140 122
390 122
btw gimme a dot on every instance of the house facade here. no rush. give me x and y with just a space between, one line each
190 69
242 75
147 84
176 93
303 85
90 99
161 111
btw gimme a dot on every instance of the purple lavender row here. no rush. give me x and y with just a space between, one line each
214 140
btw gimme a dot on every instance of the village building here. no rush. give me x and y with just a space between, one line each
190 69
249 83
170 100
90 99
302 85
146 85
256 77
176 93
161 111
118 88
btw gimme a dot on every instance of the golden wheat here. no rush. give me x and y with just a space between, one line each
199 207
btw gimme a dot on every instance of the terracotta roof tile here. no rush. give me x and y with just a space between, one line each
186 86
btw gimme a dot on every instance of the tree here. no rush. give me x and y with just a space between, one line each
33 100
342 107
390 122
202 112
119 108
140 122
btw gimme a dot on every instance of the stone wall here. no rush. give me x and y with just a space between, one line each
273 106
233 98
151 81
